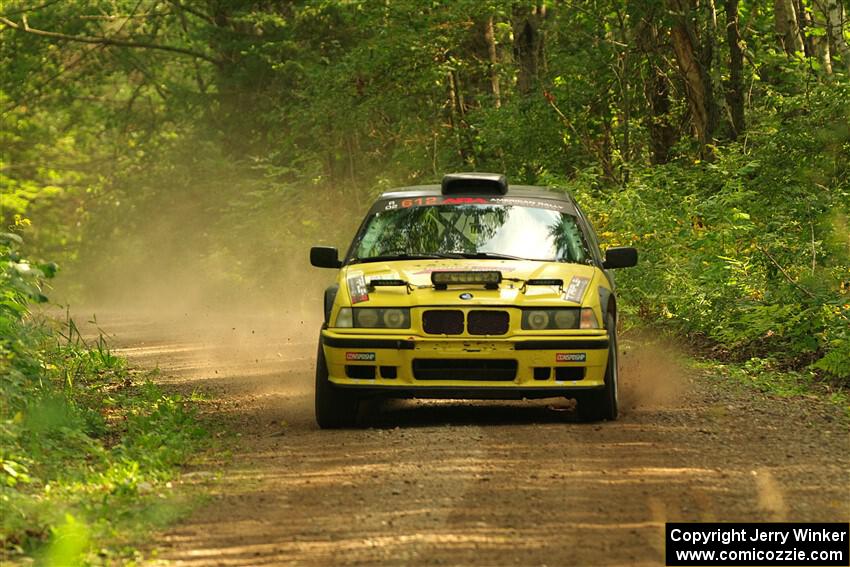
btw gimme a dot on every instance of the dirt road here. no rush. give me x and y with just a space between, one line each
480 483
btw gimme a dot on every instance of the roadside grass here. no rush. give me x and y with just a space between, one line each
89 452
762 375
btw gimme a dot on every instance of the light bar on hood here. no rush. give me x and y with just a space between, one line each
557 282
489 278
385 282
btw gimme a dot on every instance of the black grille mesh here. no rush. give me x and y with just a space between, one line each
487 322
478 322
443 322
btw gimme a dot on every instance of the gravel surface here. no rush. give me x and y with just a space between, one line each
478 483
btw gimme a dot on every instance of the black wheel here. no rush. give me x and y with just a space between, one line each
603 404
335 408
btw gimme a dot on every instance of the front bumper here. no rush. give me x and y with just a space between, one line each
517 366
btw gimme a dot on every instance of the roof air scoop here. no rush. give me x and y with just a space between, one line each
474 183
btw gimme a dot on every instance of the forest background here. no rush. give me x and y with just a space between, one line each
185 154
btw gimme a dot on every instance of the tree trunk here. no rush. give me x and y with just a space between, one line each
835 30
735 87
623 72
454 118
821 42
460 100
804 23
787 30
458 119
490 38
625 114
656 86
695 71
662 135
528 45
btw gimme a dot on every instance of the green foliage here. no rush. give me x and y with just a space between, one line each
245 130
86 445
741 250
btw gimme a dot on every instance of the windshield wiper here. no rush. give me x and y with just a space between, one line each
489 256
403 256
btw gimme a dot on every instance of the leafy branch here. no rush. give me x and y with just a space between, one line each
25 28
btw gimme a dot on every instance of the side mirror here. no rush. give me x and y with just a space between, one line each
325 257
620 258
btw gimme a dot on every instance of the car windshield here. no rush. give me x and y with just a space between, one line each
471 230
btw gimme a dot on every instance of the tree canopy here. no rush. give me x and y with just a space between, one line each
224 134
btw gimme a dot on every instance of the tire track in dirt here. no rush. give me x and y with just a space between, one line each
770 497
480 483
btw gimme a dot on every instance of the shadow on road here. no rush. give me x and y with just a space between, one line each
427 413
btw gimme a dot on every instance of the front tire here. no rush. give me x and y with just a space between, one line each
335 408
604 403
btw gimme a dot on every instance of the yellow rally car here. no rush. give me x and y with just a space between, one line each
470 289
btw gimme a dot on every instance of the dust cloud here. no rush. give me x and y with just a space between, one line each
190 251
236 291
652 373
187 283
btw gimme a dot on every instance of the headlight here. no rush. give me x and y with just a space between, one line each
373 318
366 317
566 318
395 318
536 320
554 319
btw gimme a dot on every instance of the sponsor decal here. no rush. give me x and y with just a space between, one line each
357 288
431 201
419 201
464 201
535 203
360 356
575 291
571 357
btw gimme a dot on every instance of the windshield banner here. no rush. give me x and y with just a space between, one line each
430 201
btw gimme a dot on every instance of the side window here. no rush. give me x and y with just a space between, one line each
590 234
568 240
371 238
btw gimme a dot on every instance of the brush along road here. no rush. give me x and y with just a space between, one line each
478 482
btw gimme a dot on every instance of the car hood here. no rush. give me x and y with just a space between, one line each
512 290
